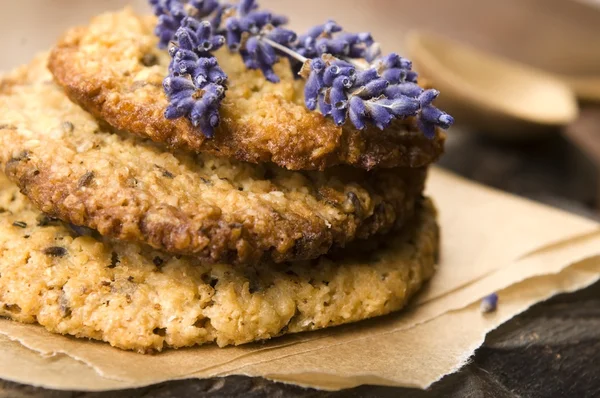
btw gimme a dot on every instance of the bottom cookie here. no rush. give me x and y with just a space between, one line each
72 282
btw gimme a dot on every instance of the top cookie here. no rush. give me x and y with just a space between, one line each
115 71
214 208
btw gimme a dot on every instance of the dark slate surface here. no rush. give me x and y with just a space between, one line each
552 350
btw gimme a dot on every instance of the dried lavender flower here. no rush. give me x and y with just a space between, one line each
195 84
489 303
346 75
246 30
171 14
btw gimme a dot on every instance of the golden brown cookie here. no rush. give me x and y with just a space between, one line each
113 69
215 208
139 299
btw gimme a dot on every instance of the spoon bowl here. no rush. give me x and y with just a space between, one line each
488 93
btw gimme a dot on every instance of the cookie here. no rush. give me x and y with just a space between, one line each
136 298
114 70
215 208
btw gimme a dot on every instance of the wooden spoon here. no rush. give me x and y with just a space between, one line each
489 93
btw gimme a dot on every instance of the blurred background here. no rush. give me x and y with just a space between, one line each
522 77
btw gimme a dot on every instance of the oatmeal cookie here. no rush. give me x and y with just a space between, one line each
136 298
113 69
215 208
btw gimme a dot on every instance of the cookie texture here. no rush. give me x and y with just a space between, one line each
215 208
140 299
114 70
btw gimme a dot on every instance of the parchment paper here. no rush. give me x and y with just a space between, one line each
491 242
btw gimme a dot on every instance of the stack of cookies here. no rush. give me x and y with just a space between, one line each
120 225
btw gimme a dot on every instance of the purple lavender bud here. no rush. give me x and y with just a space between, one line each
357 112
185 39
167 21
186 66
357 105
380 115
411 76
282 36
174 84
278 20
249 60
191 23
343 82
427 97
373 89
408 89
313 87
179 107
204 30
338 98
331 27
337 69
208 62
366 38
324 107
172 112
394 75
431 114
164 36
233 35
332 46
390 61
327 28
269 73
217 42
252 46
198 112
317 65
339 116
204 7
217 19
402 106
365 76
217 76
266 53
156 7
445 121
246 6
489 303
260 18
372 53
179 54
207 125
350 38
213 93
428 129
248 25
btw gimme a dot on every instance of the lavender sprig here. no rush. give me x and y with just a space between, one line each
246 29
322 39
196 84
346 76
171 14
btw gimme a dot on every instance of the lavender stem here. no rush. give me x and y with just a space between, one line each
284 50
